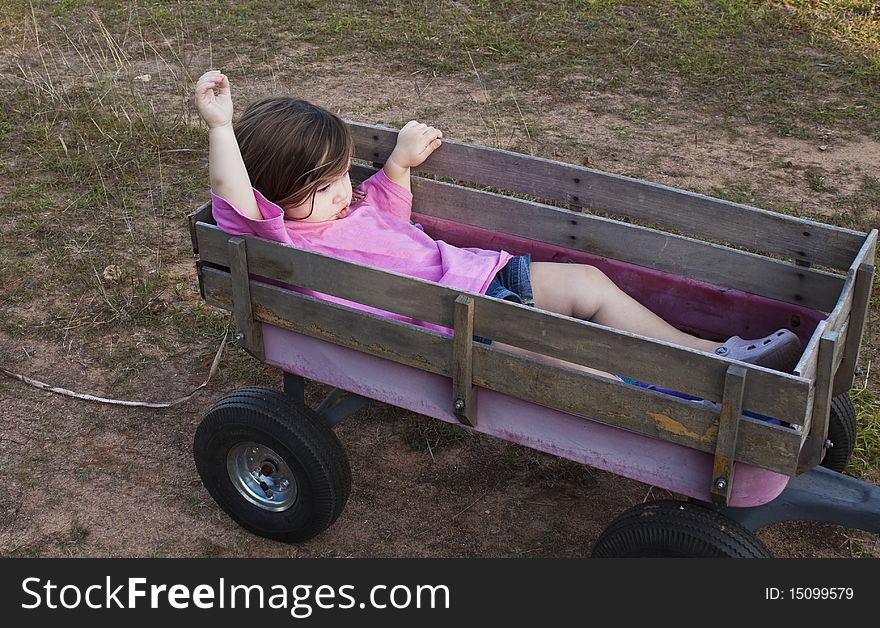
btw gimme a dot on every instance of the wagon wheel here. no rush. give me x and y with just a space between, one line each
272 464
841 433
671 528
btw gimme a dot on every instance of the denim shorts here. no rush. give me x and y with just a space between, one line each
512 283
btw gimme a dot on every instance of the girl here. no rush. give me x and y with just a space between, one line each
282 174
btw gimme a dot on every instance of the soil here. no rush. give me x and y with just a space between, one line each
87 479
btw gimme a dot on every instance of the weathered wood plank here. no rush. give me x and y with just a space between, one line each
864 267
774 394
843 305
843 332
852 301
689 212
249 334
678 368
839 320
408 296
464 404
201 214
813 446
728 430
389 339
844 374
806 366
566 389
680 255
712 263
769 393
637 409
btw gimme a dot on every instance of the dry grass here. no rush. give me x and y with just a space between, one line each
103 161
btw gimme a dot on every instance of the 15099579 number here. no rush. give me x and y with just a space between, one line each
821 593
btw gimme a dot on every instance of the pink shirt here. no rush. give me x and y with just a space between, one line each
377 232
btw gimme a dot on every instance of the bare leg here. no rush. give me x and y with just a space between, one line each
585 292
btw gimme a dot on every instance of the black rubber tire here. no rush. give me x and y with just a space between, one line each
307 445
669 528
841 432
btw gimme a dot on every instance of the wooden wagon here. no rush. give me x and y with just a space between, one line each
709 266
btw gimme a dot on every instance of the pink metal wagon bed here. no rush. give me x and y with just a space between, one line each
276 467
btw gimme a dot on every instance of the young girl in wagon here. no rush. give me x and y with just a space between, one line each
282 174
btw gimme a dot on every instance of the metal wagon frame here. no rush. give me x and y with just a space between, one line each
710 266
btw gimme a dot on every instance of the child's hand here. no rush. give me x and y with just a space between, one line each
415 143
215 109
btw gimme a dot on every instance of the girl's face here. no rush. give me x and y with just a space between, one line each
331 202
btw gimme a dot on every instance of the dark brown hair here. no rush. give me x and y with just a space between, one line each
291 148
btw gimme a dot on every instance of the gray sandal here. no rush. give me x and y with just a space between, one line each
780 350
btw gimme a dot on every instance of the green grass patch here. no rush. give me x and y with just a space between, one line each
816 180
423 434
865 460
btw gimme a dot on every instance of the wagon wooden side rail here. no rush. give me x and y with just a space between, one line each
671 208
556 386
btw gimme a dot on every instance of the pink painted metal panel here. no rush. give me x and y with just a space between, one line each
659 463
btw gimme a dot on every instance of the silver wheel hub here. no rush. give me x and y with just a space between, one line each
261 476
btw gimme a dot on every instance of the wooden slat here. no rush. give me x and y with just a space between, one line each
853 299
464 398
689 212
806 366
201 214
770 393
839 320
842 334
719 265
844 374
566 389
249 334
728 431
864 265
843 305
645 411
389 339
314 271
817 430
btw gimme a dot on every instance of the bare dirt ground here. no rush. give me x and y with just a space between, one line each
86 479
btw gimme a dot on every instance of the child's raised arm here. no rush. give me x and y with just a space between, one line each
229 177
415 143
